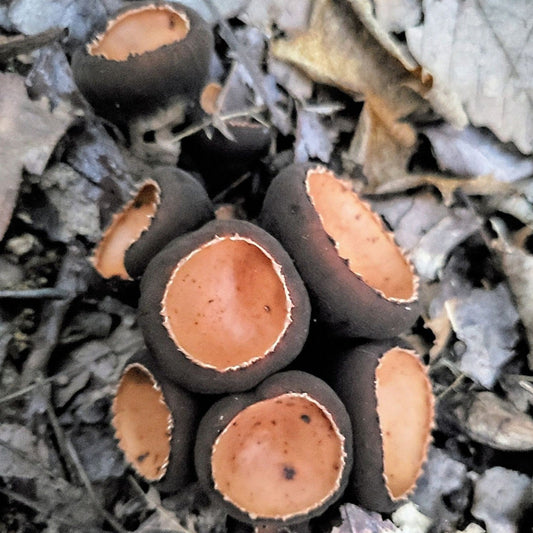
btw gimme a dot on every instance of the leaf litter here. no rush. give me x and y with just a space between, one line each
343 82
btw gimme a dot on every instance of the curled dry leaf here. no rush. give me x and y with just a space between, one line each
29 131
355 520
488 419
491 77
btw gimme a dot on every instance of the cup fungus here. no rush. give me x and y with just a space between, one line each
223 307
150 55
279 454
359 281
166 205
155 423
388 395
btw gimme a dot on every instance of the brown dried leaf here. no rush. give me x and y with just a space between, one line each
381 145
29 131
337 50
482 51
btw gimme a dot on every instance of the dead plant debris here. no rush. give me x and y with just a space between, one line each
423 106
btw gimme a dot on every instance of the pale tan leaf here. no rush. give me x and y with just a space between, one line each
482 50
29 131
338 50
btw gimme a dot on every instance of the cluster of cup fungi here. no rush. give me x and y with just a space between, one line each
226 307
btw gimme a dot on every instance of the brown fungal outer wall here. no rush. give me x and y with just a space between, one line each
179 367
342 301
143 83
380 481
155 423
165 206
245 422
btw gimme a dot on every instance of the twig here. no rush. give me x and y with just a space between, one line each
74 465
49 293
72 280
22 44
232 186
195 128
458 380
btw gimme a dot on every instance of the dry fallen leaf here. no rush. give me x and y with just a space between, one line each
473 152
485 320
483 53
518 267
29 132
357 520
501 497
490 420
290 17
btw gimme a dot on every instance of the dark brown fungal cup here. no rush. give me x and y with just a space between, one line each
166 205
155 423
387 392
223 307
359 281
149 55
279 454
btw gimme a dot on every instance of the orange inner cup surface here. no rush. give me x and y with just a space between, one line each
405 411
125 229
360 236
279 457
142 423
226 304
139 31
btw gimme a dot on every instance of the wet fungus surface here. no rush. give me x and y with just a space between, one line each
165 206
149 56
360 282
277 454
387 392
155 422
223 307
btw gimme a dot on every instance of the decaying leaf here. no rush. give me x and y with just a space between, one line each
488 419
29 131
482 51
433 248
442 476
313 138
398 15
290 17
356 520
337 50
486 322
518 267
501 497
382 146
20 438
472 152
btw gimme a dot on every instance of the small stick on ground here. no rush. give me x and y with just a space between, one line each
72 279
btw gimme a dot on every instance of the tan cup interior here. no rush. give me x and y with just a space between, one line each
142 423
405 410
126 228
279 457
225 305
360 237
139 31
